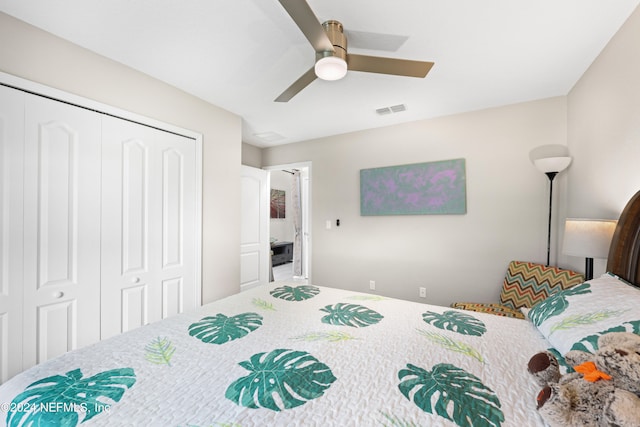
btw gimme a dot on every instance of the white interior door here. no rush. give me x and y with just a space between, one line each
61 229
254 242
149 225
11 212
306 211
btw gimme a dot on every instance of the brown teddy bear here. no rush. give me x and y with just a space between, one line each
604 390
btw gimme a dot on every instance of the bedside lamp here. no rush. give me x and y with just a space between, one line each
588 238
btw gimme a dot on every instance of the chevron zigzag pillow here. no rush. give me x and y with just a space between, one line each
528 283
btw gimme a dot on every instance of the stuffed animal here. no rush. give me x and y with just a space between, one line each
604 390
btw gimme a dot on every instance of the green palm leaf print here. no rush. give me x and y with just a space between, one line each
451 393
279 380
354 315
576 320
330 336
451 344
220 329
556 304
456 321
69 395
262 304
295 293
160 351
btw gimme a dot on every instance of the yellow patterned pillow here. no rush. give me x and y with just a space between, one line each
528 283
497 309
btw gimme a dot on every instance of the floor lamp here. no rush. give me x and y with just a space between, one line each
588 238
551 166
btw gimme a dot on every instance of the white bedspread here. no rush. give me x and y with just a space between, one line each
327 357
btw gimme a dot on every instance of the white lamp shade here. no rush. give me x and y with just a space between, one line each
552 164
331 68
550 150
588 238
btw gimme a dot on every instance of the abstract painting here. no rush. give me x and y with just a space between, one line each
278 206
415 189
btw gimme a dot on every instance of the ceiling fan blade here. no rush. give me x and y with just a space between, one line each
297 86
380 65
306 20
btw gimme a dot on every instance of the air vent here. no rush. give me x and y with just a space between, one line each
269 136
389 110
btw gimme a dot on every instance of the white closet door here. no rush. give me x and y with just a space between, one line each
11 190
61 229
148 229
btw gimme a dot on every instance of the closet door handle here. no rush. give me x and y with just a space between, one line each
58 294
135 280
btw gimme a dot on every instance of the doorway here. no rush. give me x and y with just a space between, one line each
283 222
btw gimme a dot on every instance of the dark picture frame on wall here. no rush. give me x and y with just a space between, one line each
278 204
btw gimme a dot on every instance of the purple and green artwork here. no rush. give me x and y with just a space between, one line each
416 189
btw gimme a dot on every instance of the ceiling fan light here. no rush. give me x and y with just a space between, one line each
331 68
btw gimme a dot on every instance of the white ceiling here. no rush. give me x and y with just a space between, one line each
241 54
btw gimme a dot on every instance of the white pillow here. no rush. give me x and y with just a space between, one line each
574 318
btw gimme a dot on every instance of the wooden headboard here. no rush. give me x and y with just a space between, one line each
624 254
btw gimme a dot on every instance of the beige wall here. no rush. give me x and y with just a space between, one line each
38 56
251 156
454 256
604 132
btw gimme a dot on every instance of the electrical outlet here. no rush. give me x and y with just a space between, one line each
423 292
372 285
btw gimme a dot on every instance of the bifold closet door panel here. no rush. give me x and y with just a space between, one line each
11 177
62 161
148 225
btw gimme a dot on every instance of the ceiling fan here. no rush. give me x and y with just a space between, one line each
332 59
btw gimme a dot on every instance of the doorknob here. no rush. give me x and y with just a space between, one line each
135 279
58 294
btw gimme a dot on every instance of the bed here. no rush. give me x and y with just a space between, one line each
296 354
